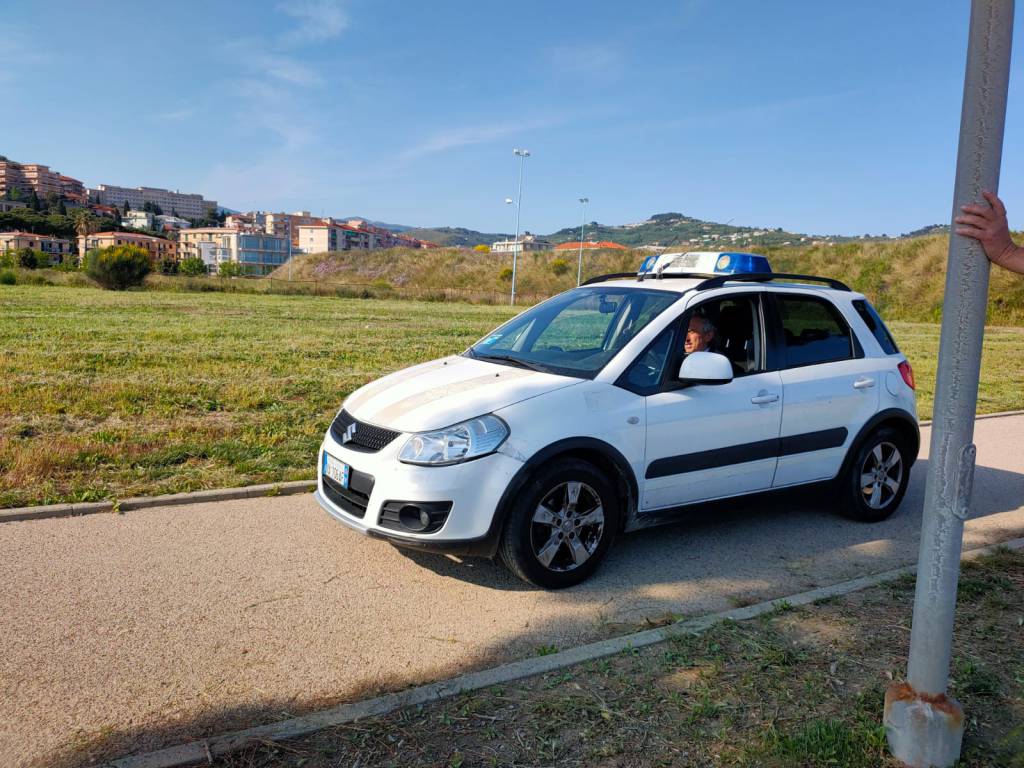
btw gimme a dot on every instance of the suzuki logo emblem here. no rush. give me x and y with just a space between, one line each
350 431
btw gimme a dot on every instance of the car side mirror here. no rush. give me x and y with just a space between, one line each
705 368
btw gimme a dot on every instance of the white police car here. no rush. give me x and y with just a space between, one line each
617 405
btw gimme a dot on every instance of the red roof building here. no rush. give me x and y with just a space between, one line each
590 245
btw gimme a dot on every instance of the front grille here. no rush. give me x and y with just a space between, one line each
366 437
353 499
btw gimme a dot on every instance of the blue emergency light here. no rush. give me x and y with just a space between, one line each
705 262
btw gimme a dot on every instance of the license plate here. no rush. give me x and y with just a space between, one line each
337 470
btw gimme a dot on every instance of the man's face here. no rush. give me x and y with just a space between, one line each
697 339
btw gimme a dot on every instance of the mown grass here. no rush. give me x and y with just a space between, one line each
801 688
110 395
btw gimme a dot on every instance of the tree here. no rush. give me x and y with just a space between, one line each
230 269
126 208
62 210
85 225
33 201
193 266
119 266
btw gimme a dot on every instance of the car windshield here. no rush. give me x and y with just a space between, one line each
576 333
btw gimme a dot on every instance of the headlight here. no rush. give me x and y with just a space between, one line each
459 442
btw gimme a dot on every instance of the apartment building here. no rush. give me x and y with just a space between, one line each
138 219
175 203
282 223
56 248
322 238
258 253
10 205
33 177
159 249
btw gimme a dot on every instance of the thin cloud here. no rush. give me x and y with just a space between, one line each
589 59
318 21
464 136
176 115
285 69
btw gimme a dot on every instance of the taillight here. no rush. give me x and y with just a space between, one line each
908 373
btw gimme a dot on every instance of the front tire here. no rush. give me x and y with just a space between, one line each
877 477
561 525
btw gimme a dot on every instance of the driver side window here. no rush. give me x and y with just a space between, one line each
727 326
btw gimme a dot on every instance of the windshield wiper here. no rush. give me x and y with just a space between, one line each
513 360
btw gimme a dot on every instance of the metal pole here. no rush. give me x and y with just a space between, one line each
925 727
583 223
523 154
289 230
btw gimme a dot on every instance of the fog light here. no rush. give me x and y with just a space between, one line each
414 516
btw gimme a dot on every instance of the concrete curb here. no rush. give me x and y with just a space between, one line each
147 502
220 494
205 750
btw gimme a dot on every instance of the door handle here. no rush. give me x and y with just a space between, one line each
863 383
763 397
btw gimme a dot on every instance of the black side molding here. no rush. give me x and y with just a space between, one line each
739 454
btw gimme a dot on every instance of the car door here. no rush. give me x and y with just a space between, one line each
706 441
829 388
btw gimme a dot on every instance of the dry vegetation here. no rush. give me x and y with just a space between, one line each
800 687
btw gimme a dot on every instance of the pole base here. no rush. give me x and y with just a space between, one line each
923 730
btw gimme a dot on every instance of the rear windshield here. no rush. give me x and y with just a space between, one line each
876 326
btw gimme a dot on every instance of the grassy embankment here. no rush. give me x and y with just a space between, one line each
110 395
796 688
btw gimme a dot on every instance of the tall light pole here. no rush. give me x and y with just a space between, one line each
522 154
583 223
923 724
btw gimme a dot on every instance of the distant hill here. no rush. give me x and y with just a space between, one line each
453 236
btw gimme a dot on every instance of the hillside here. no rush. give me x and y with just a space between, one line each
453 236
904 278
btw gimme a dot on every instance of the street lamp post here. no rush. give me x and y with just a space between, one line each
583 223
522 154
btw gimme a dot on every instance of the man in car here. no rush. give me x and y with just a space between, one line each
699 335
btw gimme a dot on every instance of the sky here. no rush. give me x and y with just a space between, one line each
818 117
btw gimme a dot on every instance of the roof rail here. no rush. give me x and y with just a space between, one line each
641 276
612 276
760 277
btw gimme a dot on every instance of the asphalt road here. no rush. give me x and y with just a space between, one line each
158 626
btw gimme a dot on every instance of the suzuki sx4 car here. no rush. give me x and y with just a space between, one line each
619 405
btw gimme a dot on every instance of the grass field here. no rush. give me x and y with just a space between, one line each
110 395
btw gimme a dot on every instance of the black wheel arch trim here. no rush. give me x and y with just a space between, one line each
889 414
568 445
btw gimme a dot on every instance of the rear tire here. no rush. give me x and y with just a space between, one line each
877 476
561 525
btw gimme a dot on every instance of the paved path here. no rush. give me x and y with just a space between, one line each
159 626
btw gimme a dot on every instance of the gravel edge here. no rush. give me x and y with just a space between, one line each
206 749
148 502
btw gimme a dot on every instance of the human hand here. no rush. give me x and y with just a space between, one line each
987 224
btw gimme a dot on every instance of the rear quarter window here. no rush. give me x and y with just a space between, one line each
874 323
813 331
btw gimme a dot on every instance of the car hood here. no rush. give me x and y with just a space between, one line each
446 391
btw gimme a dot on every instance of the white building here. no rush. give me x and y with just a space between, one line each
175 203
527 242
138 219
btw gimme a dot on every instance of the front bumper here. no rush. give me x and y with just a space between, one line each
474 489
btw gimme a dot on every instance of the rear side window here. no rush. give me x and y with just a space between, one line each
813 331
876 326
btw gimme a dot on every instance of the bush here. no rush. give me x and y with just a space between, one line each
505 275
7 278
482 248
192 267
230 269
119 266
27 258
559 267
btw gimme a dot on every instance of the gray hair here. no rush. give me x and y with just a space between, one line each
706 326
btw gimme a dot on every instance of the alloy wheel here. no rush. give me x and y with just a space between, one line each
567 526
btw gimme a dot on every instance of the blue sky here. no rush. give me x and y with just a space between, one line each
820 117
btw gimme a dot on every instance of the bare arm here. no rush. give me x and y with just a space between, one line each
987 224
